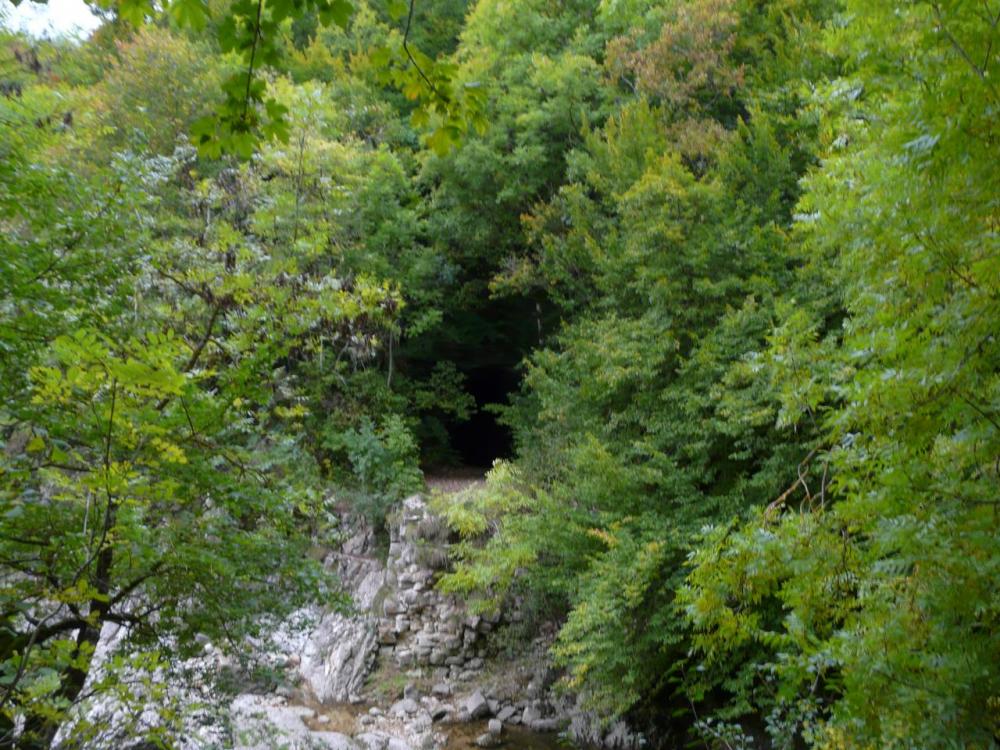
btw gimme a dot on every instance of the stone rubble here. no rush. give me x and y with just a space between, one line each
400 621
418 625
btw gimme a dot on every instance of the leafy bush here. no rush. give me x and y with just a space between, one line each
861 608
384 462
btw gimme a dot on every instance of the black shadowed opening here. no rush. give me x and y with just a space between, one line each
482 439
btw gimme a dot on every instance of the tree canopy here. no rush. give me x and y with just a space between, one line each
737 264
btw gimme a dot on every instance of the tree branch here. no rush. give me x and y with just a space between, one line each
406 49
253 54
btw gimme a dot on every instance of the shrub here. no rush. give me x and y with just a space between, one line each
385 464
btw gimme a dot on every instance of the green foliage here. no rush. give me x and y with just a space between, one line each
156 86
539 55
489 562
870 618
744 254
383 463
156 470
652 411
252 31
620 627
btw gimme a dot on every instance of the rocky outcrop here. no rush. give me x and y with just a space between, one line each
588 729
418 625
400 621
337 657
266 722
339 653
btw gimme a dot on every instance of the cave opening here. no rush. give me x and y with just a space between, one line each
486 339
481 439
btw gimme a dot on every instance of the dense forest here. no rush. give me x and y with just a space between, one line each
711 287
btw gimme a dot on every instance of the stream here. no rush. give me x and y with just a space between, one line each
344 718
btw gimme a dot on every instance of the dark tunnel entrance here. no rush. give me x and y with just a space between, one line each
482 439
486 340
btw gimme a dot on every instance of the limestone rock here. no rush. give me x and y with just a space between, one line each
405 707
488 740
334 741
476 706
264 722
338 655
531 714
544 725
373 740
411 691
441 690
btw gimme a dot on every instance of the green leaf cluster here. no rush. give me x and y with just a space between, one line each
741 256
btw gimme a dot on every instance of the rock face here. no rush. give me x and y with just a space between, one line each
339 653
585 728
263 723
338 656
419 626
108 723
399 618
398 615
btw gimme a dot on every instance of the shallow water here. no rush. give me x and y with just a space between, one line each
338 717
343 717
463 737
